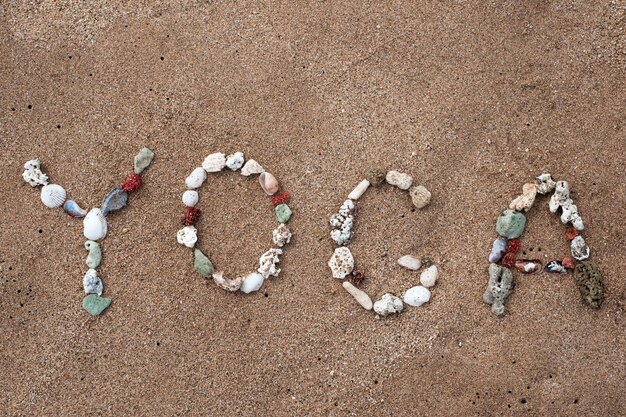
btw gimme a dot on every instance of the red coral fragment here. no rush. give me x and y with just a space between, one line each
279 199
508 260
513 246
192 215
131 183
568 263
571 234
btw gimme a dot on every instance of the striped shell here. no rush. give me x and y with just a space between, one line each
53 195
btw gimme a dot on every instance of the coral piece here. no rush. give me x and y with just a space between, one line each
420 196
342 223
131 183
95 305
235 161
568 262
376 176
571 234
359 295
227 284
268 261
498 249
72 208
590 284
95 254
357 278
251 167
214 162
92 284
526 200
95 225
499 287
544 183
32 173
510 224
202 264
53 195
282 198
143 160
513 246
341 263
570 214
187 236
508 260
580 250
281 235
555 267
115 200
388 304
399 179
359 190
192 215
561 194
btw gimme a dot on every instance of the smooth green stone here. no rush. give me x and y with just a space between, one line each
143 160
283 213
95 254
95 305
511 224
203 264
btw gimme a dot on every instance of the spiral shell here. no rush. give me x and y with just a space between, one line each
53 195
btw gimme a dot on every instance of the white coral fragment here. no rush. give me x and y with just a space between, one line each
268 261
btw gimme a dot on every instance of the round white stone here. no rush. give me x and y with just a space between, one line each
190 198
416 296
429 276
252 282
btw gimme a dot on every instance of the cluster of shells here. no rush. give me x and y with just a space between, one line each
341 263
94 221
188 235
510 226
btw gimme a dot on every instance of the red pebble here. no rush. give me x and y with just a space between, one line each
571 234
279 199
509 260
131 183
513 246
192 215
568 263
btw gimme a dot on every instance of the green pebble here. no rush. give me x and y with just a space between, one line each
95 254
283 213
95 305
511 224
143 160
203 264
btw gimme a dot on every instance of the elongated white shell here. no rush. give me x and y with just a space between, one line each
359 190
53 195
190 198
269 183
196 178
360 296
95 225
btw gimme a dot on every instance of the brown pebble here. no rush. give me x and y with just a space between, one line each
376 176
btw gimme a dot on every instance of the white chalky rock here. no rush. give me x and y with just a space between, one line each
429 276
341 263
251 167
342 223
579 248
570 214
214 162
526 200
190 198
420 196
359 190
252 282
544 183
92 284
32 173
388 304
360 296
196 178
268 261
560 196
235 161
347 208
410 262
416 296
187 236
400 180
281 235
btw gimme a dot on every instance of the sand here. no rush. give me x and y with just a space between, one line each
471 98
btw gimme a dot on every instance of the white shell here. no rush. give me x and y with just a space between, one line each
187 236
32 173
269 183
359 190
252 282
388 304
251 167
341 263
429 276
281 235
399 179
214 162
235 161
410 262
53 195
420 196
360 296
227 284
92 284
526 200
95 225
196 178
416 296
268 261
190 198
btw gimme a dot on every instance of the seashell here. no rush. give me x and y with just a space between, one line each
190 198
268 183
196 178
95 254
510 224
92 284
526 200
555 267
187 236
235 161
359 190
202 264
341 263
544 183
388 304
95 225
416 296
283 213
499 287
53 195
428 277
115 200
95 305
227 284
268 261
568 262
214 162
143 160
498 249
359 295
252 282
32 173
420 196
376 176
410 262
528 267
590 284
580 250
72 208
561 194
399 179
281 236
251 167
